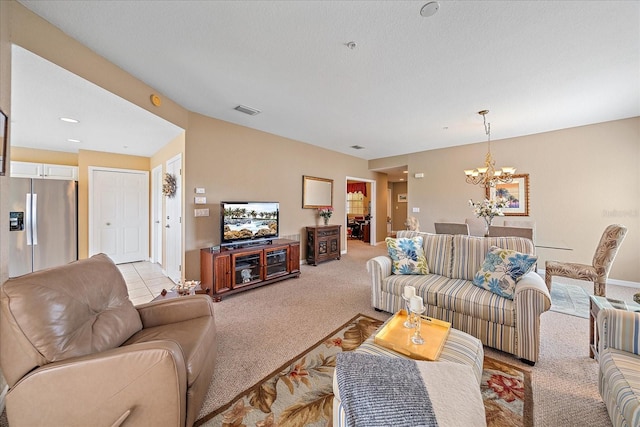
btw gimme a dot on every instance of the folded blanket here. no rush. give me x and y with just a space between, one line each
381 391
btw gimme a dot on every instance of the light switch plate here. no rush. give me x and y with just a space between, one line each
201 212
416 209
199 190
200 200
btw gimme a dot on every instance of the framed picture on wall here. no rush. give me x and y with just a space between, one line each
516 193
402 197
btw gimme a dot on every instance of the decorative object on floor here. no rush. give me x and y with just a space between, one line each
569 299
598 271
169 185
325 213
514 193
487 210
488 176
300 392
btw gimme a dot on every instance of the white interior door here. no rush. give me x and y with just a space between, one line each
173 223
156 215
119 214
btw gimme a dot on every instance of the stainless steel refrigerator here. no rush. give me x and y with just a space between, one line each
43 224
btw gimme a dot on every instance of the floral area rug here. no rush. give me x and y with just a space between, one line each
300 393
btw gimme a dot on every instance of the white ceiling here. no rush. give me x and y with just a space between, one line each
43 92
411 84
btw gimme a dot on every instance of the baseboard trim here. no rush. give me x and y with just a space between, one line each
626 283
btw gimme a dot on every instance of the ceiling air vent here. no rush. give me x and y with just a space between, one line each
247 110
357 147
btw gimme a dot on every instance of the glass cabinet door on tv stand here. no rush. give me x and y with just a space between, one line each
276 262
246 268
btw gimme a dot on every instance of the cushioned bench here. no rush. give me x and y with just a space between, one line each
460 363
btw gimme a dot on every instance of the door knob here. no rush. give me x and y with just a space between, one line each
167 226
108 223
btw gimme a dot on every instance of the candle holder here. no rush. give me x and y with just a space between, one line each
417 338
409 324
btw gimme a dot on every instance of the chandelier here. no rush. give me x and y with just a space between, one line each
488 176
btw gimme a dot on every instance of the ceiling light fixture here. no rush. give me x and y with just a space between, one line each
488 176
429 9
351 45
69 120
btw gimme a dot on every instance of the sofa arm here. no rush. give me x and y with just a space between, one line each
140 384
175 310
531 298
619 329
379 268
533 285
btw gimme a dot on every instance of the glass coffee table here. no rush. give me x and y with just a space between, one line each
601 303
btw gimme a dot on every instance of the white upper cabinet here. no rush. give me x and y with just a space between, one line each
43 171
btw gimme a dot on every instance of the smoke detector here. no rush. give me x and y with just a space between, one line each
429 9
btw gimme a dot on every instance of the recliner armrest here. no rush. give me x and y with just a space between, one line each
140 384
175 310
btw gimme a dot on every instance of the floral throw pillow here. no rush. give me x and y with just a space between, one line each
502 269
407 255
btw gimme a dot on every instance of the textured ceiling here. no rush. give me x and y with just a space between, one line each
411 83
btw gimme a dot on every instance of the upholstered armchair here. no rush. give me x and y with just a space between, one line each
76 352
619 364
598 272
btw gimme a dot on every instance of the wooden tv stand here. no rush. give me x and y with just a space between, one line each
230 270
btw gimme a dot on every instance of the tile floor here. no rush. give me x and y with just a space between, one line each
145 281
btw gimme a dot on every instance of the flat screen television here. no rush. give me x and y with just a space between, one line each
248 221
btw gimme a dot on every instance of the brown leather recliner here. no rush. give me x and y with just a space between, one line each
76 352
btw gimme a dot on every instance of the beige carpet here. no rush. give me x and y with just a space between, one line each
253 328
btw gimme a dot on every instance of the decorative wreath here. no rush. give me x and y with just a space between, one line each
169 185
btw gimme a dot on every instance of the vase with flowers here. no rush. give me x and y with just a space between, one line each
487 210
325 213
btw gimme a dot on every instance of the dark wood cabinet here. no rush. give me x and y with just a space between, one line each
230 270
323 243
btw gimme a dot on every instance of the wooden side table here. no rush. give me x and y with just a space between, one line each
596 304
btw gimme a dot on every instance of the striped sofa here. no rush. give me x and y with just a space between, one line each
509 325
619 363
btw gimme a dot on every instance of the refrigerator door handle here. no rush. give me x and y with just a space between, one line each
34 219
27 219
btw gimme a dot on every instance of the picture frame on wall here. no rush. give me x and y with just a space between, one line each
402 197
4 129
516 193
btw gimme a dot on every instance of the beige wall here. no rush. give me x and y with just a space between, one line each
581 180
237 163
22 154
